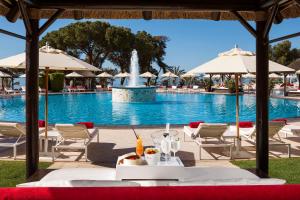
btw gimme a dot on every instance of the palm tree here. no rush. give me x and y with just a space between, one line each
177 70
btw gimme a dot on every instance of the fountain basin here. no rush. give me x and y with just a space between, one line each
133 94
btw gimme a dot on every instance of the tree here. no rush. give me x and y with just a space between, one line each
160 44
144 45
283 53
81 39
120 41
177 70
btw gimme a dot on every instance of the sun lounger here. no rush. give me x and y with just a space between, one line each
274 139
9 91
23 89
208 135
290 129
76 134
12 135
42 90
80 88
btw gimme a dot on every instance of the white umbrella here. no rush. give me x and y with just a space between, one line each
249 75
236 61
147 75
122 75
104 75
49 57
4 75
273 75
74 75
188 75
87 74
169 75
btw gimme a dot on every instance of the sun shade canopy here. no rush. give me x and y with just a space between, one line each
49 57
236 61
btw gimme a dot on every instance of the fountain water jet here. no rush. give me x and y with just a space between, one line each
134 92
134 70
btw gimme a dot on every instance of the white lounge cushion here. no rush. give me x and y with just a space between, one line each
68 174
80 183
291 129
216 173
242 181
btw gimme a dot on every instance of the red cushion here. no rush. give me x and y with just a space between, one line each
245 124
42 123
280 120
195 124
87 124
246 192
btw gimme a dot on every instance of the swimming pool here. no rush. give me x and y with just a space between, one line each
171 108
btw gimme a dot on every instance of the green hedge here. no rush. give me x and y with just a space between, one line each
56 81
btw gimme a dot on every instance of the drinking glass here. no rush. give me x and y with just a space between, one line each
166 147
175 144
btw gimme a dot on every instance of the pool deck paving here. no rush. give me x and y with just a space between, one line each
116 141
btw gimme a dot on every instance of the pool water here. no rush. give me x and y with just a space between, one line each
168 108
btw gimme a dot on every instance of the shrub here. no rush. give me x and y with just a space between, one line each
42 81
57 81
230 84
208 83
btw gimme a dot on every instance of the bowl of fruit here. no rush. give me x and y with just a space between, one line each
130 159
152 156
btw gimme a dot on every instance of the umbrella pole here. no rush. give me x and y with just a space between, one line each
238 139
46 108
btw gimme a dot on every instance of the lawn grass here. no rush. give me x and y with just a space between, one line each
13 172
283 168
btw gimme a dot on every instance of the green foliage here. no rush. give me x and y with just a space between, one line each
283 53
97 42
81 38
13 172
271 85
208 83
177 70
121 41
145 46
283 168
42 81
230 84
56 81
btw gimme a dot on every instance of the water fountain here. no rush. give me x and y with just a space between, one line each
133 92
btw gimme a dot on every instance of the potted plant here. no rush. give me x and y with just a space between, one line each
230 84
207 85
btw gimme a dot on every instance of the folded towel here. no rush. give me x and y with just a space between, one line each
195 124
87 124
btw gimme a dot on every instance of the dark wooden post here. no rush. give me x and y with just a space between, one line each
284 85
32 92
262 101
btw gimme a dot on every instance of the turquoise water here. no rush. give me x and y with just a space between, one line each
171 108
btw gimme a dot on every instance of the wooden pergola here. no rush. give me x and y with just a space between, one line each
263 12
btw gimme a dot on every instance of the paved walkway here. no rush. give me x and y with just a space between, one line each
118 141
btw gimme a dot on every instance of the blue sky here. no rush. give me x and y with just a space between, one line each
192 42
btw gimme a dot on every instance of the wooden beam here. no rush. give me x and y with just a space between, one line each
271 19
32 99
216 16
262 101
25 16
150 5
12 34
244 23
5 4
270 3
13 13
50 21
285 37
